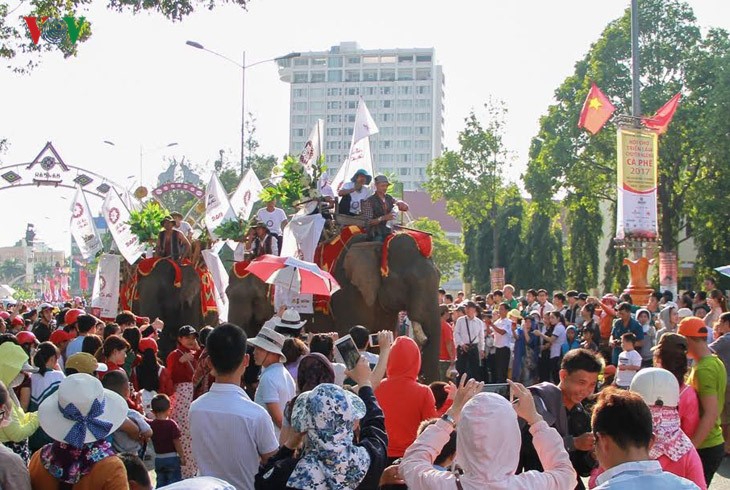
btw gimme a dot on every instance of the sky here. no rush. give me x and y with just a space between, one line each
137 84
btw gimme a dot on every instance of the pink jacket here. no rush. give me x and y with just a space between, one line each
488 449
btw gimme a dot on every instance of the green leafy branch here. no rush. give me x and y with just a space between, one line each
147 223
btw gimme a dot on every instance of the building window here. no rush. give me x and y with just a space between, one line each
423 116
423 74
334 131
334 118
335 61
404 90
298 132
352 76
351 118
299 92
386 90
316 93
300 119
423 58
353 60
370 60
387 104
386 131
300 106
388 59
385 117
300 77
423 103
423 130
404 131
352 104
353 91
334 105
334 145
349 131
386 144
370 90
405 74
299 61
387 75
403 157
369 75
316 105
405 59
319 61
334 76
334 92
423 90
405 103
423 144
386 158
405 117
405 170
422 157
317 77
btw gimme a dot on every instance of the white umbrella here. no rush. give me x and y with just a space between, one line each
724 270
6 291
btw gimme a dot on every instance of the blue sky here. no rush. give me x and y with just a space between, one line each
136 83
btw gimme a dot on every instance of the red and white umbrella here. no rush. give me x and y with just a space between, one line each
296 275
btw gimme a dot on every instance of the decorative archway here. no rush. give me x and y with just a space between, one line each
49 170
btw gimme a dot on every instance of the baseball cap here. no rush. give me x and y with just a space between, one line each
72 315
684 312
469 304
671 340
186 331
45 306
583 296
147 344
59 336
657 386
692 327
83 362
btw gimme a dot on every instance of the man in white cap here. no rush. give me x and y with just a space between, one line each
276 386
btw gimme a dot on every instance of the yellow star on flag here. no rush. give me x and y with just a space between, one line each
595 103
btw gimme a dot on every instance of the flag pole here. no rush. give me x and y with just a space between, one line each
635 66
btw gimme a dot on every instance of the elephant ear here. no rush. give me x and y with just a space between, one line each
362 268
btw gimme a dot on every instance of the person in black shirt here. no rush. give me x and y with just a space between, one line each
44 325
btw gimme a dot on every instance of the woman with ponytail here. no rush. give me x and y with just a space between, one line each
718 305
151 377
43 384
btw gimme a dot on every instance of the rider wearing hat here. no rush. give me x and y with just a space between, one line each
355 191
171 242
182 225
262 242
379 209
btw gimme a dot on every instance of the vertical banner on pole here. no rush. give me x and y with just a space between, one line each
105 295
668 272
496 277
636 217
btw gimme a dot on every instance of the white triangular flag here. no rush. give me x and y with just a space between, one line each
246 195
312 148
220 282
359 156
105 294
82 226
217 207
116 215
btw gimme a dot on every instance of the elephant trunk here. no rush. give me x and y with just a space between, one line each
419 335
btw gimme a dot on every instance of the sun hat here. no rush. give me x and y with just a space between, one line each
175 214
26 338
72 315
81 411
362 171
146 344
59 336
382 179
692 327
83 362
514 314
167 219
684 312
657 386
13 358
290 319
671 340
270 341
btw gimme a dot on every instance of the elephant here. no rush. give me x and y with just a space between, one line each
366 296
158 297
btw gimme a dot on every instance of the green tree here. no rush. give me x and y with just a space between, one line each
446 255
10 269
18 49
585 224
543 247
564 159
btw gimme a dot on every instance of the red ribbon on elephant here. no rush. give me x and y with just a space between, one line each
239 269
423 243
146 266
207 291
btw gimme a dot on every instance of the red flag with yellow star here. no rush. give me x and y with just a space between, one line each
597 109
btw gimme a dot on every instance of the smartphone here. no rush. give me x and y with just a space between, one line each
347 352
500 389
373 340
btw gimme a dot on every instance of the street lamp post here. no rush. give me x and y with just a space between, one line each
243 66
142 153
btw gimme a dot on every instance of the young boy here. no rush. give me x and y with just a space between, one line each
588 342
118 382
629 361
169 456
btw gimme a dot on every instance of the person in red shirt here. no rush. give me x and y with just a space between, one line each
181 364
447 355
402 419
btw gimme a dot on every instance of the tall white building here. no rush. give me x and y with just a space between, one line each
403 89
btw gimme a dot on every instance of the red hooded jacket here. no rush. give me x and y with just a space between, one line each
405 402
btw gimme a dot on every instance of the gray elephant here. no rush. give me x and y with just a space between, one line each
366 297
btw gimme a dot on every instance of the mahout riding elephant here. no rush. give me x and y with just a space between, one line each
159 297
366 297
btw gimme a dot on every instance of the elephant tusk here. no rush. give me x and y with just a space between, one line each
420 336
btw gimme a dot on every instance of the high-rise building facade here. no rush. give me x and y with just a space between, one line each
403 89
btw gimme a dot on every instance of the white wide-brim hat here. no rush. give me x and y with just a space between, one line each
81 411
290 319
270 341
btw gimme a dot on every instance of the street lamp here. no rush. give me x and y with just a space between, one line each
142 153
243 66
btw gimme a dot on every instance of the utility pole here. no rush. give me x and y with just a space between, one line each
635 65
